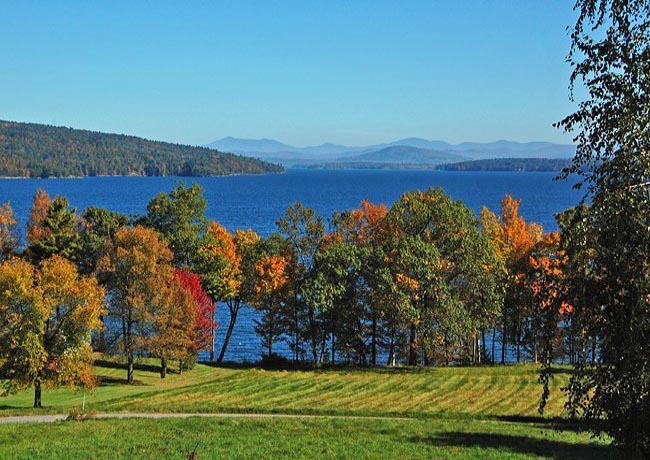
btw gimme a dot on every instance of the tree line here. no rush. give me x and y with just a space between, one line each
424 282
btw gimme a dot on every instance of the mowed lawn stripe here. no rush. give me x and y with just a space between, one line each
471 391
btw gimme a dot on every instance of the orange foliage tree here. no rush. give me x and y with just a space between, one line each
226 263
545 277
37 216
171 318
271 281
137 267
513 239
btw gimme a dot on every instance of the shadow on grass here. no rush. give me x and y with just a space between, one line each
105 381
561 371
287 365
137 366
9 407
553 423
306 366
525 445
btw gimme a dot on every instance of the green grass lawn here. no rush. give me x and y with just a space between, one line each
461 412
293 439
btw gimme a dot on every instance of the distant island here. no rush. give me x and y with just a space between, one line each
36 150
495 164
510 164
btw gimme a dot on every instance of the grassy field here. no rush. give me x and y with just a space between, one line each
495 392
457 413
293 439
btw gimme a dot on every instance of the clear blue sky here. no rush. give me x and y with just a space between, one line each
302 72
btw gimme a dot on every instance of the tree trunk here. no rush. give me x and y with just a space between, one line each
593 351
296 332
504 341
323 347
234 310
312 333
373 356
446 345
391 349
129 368
163 368
494 339
37 395
473 349
212 338
482 356
413 357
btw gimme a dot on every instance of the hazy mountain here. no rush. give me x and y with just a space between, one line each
247 146
436 151
404 154
423 143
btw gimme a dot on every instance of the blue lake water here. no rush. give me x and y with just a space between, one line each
258 201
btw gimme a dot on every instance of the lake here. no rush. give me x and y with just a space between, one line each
258 201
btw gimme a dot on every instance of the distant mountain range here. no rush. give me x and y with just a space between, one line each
410 151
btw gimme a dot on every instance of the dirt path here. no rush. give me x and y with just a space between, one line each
154 415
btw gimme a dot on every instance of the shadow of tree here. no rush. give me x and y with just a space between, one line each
542 448
105 381
308 366
137 366
556 423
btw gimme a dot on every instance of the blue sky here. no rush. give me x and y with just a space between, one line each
301 72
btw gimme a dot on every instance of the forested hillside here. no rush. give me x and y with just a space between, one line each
510 164
34 150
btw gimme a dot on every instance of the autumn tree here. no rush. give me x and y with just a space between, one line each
8 233
227 265
58 232
354 259
270 295
171 317
37 215
545 278
610 58
513 239
46 319
180 217
98 226
205 323
137 268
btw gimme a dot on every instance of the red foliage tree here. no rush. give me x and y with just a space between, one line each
205 324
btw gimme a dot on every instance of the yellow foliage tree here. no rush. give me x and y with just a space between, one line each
46 319
8 235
